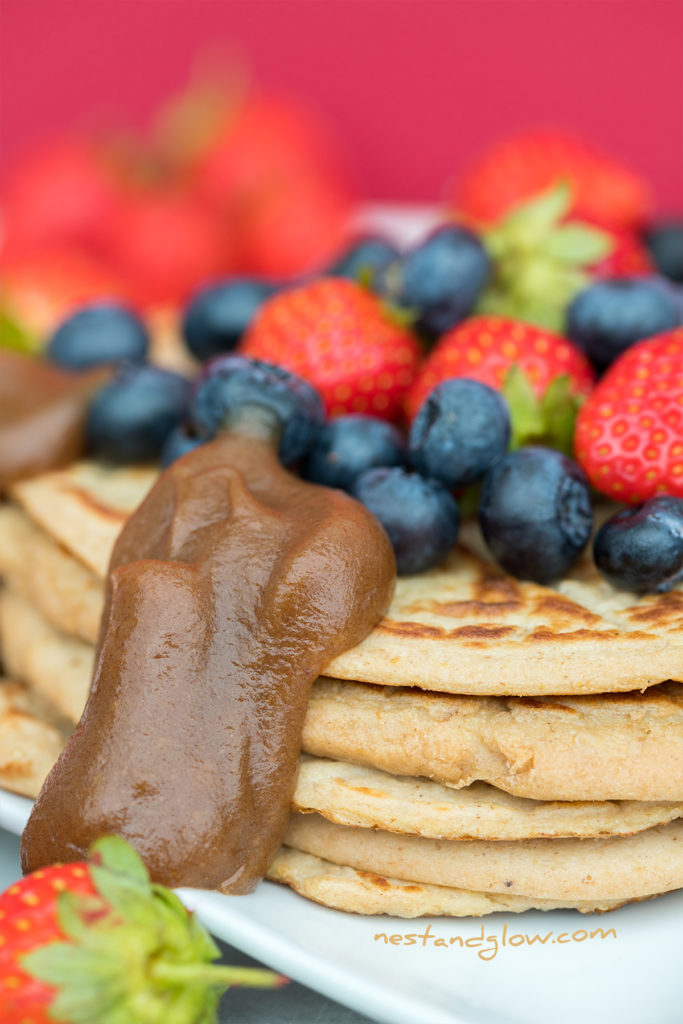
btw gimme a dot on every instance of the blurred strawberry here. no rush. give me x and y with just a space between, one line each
628 256
338 337
62 192
294 230
604 190
543 377
38 287
165 243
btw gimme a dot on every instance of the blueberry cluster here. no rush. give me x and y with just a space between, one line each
132 416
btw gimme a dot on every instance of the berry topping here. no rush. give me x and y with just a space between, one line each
641 549
228 384
219 315
347 446
178 443
609 316
420 516
364 259
542 376
132 415
101 332
96 941
336 335
462 428
535 513
439 281
629 433
665 242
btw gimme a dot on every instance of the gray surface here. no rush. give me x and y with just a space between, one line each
293 1004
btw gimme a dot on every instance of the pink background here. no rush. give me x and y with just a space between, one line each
415 87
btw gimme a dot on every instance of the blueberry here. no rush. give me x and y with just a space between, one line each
218 315
178 443
665 242
460 431
131 417
535 513
608 316
669 288
420 516
439 280
364 259
101 332
230 382
348 446
641 549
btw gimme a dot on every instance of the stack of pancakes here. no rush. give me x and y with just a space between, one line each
492 744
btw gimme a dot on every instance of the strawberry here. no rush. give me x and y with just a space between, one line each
628 256
338 337
605 191
165 243
629 433
543 377
95 941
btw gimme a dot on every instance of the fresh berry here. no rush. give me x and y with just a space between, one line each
626 258
166 243
605 191
364 259
420 516
541 259
219 314
542 376
535 513
336 335
59 193
629 433
439 280
665 243
178 443
609 316
101 332
641 549
230 383
348 446
672 290
132 415
461 430
95 941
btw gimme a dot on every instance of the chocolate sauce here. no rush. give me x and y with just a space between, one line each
42 415
231 588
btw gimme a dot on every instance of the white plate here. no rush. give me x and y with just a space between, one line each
631 975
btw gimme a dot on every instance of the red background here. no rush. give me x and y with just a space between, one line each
413 86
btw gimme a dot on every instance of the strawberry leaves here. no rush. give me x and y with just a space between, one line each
548 420
131 951
540 259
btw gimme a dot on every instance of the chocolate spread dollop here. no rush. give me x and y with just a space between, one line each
230 589
42 415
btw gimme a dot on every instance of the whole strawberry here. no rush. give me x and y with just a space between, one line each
337 336
605 191
97 943
629 433
543 377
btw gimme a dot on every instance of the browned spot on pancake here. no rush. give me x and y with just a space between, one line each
86 498
410 629
360 789
579 634
481 632
664 610
464 609
377 880
554 605
493 587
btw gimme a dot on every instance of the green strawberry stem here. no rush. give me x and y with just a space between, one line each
549 420
222 977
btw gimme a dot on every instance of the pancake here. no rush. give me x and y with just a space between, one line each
364 892
363 797
29 745
618 869
463 628
591 748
